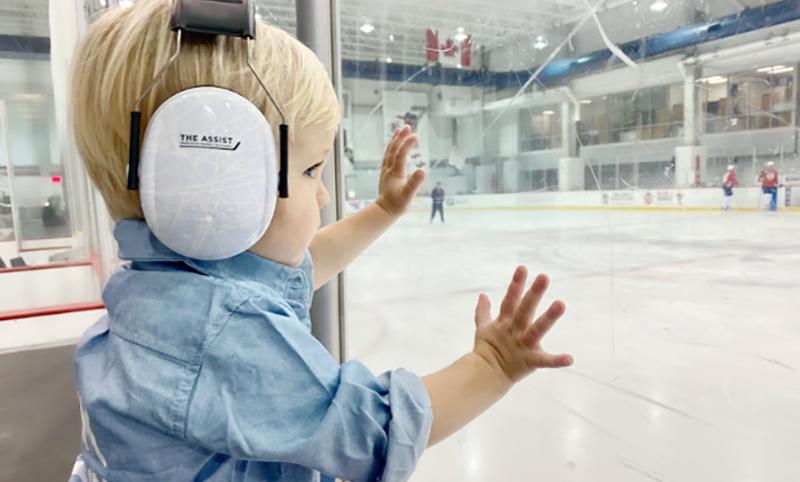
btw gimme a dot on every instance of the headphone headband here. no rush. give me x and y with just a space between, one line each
234 18
215 17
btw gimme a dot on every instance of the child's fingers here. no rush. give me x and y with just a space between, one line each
536 331
413 183
483 312
530 301
399 164
388 155
394 145
514 292
546 360
390 146
397 133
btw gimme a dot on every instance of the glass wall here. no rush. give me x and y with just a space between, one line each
503 157
556 153
55 236
37 178
478 162
32 174
6 208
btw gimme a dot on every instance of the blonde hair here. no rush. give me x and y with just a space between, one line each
124 49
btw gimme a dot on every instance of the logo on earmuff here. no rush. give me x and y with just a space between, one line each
195 141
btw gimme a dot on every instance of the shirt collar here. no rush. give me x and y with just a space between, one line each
137 243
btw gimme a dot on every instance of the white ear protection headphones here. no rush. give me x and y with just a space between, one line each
207 172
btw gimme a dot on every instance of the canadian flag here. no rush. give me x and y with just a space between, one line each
448 48
431 46
466 52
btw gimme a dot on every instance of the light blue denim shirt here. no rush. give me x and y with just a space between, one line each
207 371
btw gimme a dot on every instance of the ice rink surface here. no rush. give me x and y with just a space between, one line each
685 328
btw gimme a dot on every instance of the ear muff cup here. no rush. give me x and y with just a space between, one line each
208 173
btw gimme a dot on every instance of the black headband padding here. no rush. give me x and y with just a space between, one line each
133 151
234 18
283 178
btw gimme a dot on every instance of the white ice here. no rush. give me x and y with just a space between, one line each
685 328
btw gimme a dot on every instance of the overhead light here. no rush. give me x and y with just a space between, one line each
103 3
125 3
458 66
775 69
548 112
540 43
714 80
659 6
770 69
586 101
367 27
460 36
391 37
388 59
28 97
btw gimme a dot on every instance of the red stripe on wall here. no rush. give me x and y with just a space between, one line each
38 267
51 310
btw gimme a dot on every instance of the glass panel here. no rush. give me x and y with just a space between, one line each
38 175
44 212
590 144
32 172
6 211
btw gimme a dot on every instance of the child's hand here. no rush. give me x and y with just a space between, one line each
512 344
396 192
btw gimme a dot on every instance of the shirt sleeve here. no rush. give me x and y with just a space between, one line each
267 390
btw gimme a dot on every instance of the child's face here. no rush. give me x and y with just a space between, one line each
297 218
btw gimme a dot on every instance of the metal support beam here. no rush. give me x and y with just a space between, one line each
570 115
317 28
692 112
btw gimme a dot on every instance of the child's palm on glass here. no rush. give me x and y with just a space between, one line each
512 342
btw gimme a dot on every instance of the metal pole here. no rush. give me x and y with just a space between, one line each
795 101
692 114
317 28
